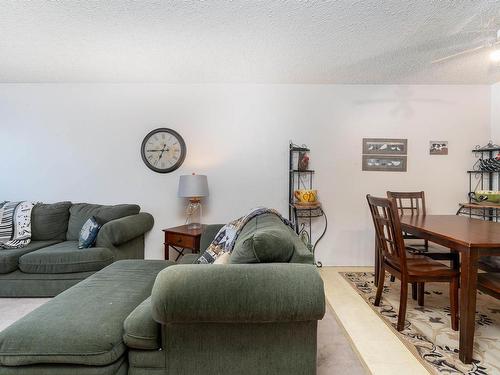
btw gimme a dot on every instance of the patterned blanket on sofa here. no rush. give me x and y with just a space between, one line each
15 224
226 237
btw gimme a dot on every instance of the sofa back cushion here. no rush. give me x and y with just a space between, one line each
49 221
266 239
81 212
267 245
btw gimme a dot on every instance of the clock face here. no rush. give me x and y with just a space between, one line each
163 150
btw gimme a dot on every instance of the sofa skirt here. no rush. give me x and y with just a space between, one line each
20 284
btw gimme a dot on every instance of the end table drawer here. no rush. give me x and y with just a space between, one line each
180 240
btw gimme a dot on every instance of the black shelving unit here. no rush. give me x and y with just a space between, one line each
482 179
302 216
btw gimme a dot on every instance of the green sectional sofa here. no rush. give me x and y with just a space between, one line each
52 262
159 318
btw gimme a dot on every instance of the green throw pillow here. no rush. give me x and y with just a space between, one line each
267 245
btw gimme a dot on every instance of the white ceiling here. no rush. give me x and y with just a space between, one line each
358 41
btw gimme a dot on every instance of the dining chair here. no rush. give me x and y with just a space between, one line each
489 283
408 268
413 203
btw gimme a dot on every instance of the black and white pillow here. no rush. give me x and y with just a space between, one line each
88 233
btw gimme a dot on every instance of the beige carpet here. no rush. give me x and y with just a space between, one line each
428 333
335 354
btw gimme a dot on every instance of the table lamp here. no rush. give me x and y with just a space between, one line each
194 187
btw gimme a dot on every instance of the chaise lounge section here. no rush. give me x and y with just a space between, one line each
80 331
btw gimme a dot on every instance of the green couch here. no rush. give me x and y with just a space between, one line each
195 319
52 262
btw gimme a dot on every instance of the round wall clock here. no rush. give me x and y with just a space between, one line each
163 150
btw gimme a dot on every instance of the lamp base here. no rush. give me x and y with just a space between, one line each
193 214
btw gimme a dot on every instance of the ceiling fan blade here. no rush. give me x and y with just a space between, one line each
461 27
458 54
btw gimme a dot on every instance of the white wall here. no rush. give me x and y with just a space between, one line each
81 142
495 113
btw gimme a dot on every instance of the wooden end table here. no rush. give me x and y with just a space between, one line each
181 238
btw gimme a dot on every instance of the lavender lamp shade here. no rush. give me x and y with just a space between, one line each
193 186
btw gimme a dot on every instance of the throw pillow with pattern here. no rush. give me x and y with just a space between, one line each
88 233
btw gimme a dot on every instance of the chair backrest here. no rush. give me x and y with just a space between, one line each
409 203
388 231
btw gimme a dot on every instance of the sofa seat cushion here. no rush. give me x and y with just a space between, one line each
79 213
84 324
65 257
9 258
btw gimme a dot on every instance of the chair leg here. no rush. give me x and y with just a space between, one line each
393 278
414 291
380 286
455 260
402 305
420 293
454 303
426 244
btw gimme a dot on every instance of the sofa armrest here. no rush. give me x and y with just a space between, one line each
233 293
141 331
119 231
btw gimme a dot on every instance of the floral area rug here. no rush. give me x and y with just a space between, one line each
428 332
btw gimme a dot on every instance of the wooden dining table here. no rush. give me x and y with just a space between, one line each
472 238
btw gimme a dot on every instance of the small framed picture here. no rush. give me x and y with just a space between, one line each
385 146
385 163
438 147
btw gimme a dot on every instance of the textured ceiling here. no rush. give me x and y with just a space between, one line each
363 41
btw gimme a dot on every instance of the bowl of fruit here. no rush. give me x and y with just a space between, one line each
485 196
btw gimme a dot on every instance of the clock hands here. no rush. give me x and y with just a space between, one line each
165 148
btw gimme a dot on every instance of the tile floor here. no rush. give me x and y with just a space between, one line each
379 348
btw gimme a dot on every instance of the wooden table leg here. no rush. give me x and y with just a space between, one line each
377 263
468 291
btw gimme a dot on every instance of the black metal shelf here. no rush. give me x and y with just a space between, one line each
482 172
304 207
483 180
301 216
295 149
299 171
315 212
491 213
493 149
